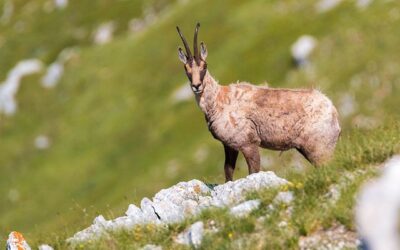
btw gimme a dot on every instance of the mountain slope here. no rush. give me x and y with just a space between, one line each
117 134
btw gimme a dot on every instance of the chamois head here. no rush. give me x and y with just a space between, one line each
195 66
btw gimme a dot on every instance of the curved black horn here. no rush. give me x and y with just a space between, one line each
195 47
189 54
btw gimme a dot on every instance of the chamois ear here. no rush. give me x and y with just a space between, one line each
182 55
203 51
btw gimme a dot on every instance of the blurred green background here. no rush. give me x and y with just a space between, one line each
115 126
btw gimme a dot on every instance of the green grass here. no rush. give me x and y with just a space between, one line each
312 209
116 136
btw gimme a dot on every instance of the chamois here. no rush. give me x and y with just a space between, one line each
245 117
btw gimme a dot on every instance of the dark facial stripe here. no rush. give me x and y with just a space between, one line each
203 72
189 76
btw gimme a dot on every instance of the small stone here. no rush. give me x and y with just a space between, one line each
245 208
13 195
53 75
42 142
326 5
282 224
347 104
362 4
192 236
302 48
183 93
151 247
284 197
212 227
104 33
9 88
61 4
16 241
45 247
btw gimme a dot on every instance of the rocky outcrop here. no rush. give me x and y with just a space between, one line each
181 201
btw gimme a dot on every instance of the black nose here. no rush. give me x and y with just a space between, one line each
196 87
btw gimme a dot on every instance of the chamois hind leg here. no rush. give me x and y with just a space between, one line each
318 148
230 162
252 156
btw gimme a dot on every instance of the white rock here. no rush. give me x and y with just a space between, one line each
326 5
150 15
135 213
347 105
16 241
245 208
282 224
212 227
55 70
13 195
192 236
53 75
181 201
101 223
362 4
378 209
365 122
271 207
333 194
61 4
104 33
45 247
140 24
183 93
151 247
123 222
235 192
302 48
136 25
284 197
149 214
8 9
266 161
9 88
42 142
96 230
201 154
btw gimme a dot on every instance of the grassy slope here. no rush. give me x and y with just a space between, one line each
312 209
114 129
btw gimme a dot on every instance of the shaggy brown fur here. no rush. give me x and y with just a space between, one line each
245 117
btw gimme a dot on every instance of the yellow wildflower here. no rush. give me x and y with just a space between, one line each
299 185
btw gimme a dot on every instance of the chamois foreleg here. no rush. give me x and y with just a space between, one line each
252 156
230 162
